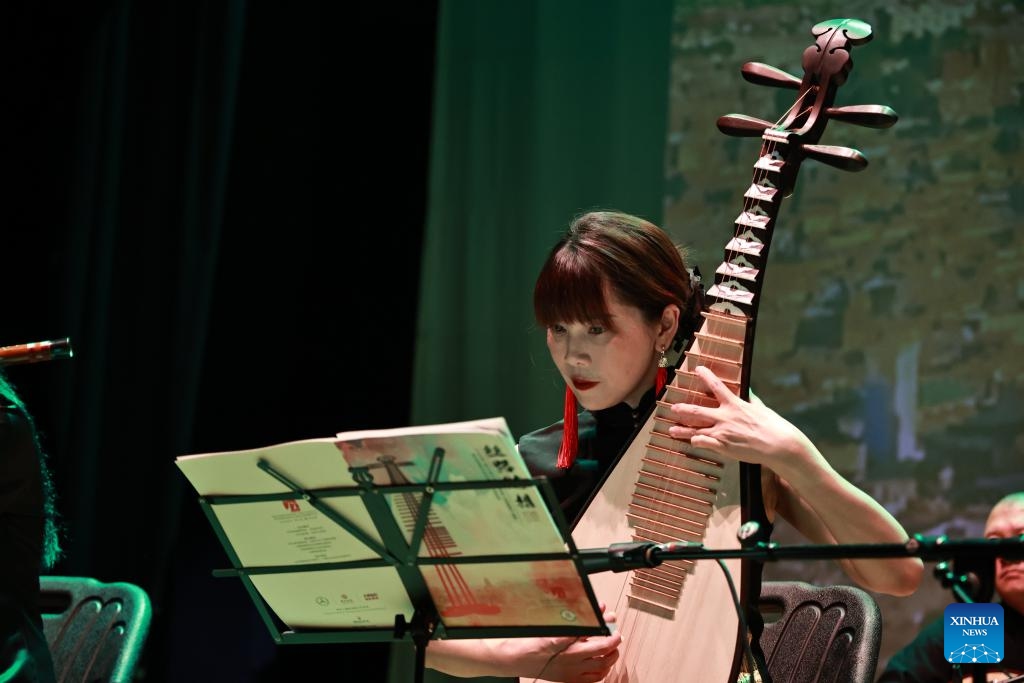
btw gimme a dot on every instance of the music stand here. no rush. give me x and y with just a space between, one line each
419 560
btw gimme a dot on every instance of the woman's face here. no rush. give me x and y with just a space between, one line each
602 366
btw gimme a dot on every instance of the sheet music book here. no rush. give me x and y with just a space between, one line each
288 531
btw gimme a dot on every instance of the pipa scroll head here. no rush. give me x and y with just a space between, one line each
827 64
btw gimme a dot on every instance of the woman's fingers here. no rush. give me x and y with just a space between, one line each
585 660
594 646
601 658
693 416
604 664
708 443
716 386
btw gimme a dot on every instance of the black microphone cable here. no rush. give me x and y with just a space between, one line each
744 629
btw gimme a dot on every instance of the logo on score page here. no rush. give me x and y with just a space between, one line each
973 633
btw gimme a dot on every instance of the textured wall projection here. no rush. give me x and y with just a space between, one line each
892 320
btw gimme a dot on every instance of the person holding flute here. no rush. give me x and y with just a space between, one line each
29 537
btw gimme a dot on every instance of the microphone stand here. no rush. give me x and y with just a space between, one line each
620 557
967 588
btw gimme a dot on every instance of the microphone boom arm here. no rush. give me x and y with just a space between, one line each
620 557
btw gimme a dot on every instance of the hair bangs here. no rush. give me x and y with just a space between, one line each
570 289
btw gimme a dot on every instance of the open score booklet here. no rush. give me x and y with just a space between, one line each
354 591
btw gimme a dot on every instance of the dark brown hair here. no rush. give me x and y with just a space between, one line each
636 258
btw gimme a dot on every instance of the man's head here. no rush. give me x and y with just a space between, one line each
1006 520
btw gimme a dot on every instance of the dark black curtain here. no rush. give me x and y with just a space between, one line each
221 203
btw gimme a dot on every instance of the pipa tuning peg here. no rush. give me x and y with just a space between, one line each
843 158
742 126
763 74
867 115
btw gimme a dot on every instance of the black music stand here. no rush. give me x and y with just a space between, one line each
405 558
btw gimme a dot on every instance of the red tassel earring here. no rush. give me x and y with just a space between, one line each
661 379
570 435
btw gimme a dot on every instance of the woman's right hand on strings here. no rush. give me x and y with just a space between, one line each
563 659
569 660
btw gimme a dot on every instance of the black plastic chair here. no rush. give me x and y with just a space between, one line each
819 634
96 631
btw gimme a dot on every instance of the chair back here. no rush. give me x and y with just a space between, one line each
822 634
95 630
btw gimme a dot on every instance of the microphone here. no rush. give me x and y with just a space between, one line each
36 352
623 557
